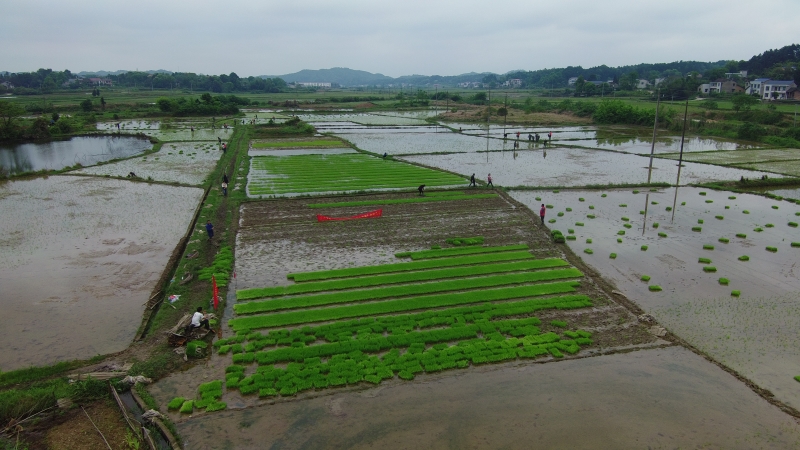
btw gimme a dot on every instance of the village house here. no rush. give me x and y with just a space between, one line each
514 83
314 84
754 87
100 82
776 90
572 81
643 84
724 85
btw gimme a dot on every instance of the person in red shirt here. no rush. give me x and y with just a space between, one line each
542 211
489 181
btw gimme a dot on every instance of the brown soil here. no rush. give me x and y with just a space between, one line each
76 432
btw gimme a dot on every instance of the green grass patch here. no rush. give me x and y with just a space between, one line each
398 201
709 201
176 403
591 216
295 144
578 224
700 221
774 206
758 229
769 225
627 225
410 266
793 224
621 232
401 305
697 229
745 212
702 193
446 252
668 208
589 241
404 290
623 205
719 217
732 197
655 225
619 240
558 323
625 219
477 240
187 407
795 244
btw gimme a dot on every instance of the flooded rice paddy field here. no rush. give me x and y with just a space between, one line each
738 157
659 398
786 193
558 166
129 126
299 151
754 334
413 118
81 256
55 155
784 167
356 128
186 134
416 143
180 162
664 144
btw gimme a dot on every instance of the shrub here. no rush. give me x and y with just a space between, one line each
751 131
654 288
724 281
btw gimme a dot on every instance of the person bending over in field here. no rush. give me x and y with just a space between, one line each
421 189
199 320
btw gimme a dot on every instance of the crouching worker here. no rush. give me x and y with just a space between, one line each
199 320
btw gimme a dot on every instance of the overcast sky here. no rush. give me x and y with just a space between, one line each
433 37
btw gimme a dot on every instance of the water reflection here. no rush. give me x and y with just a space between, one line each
55 155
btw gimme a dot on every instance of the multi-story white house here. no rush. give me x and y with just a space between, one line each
776 90
754 87
314 84
572 81
643 84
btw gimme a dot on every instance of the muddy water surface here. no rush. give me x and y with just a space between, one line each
664 398
56 155
405 143
81 256
754 334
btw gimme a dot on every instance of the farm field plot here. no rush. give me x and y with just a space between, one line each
661 398
186 134
718 243
556 166
300 151
273 175
181 162
296 143
414 143
664 144
81 256
364 119
738 157
415 312
129 126
782 167
362 129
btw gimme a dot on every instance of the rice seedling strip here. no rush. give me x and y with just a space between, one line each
401 305
399 201
404 290
429 254
403 277
409 266
288 144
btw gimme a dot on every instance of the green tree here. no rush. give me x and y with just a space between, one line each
628 81
48 85
9 112
579 85
743 102
103 103
87 105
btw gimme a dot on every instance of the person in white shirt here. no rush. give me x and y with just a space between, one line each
199 319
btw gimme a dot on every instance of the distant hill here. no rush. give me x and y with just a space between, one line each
340 75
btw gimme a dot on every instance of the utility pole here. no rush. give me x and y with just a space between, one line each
488 113
680 159
653 146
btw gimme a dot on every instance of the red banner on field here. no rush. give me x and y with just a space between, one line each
368 215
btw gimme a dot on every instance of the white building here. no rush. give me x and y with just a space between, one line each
740 74
776 90
704 88
572 81
514 82
314 84
643 84
754 87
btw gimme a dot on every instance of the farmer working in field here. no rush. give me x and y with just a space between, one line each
421 189
199 319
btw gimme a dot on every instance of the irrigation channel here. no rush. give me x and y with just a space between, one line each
652 316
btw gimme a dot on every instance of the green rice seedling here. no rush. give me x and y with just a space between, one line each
797 213
556 191
662 234
187 407
580 199
655 224
669 208
654 288
176 403
436 247
793 224
619 240
795 244
774 206
719 217
571 237
591 206
216 406
603 195
558 323
570 231
697 229
588 251
772 249
641 212
724 240
769 225
735 293
732 197
702 193
741 235
683 203
709 269
460 251
700 221
724 281
704 261
654 202
578 224
195 349
591 216
569 209
643 248
621 232
549 206
708 247
745 212
758 229
623 205
589 241
560 214
645 278
625 219
613 256
744 258
538 199
405 375
635 191
551 221
555 352
627 225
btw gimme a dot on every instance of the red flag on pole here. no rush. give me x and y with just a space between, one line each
215 291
